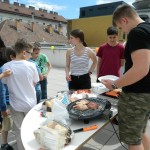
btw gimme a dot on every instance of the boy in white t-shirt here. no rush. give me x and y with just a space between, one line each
21 85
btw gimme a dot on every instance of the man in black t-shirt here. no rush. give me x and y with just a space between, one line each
134 101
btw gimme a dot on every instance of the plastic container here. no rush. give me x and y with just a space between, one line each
98 88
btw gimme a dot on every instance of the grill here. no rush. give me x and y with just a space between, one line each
89 113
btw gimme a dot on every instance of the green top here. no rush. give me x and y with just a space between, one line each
42 61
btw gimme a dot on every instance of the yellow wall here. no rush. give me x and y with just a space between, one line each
94 28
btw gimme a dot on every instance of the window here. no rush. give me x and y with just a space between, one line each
55 26
83 13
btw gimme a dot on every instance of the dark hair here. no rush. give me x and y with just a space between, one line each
112 31
5 54
123 11
10 52
22 45
36 46
2 45
77 33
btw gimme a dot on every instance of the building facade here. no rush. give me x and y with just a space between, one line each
99 10
28 15
143 9
94 21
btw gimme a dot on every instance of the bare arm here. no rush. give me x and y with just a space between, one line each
67 68
138 71
40 76
5 113
122 62
98 65
48 70
92 56
5 74
49 66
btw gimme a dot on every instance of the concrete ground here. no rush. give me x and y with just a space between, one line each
106 139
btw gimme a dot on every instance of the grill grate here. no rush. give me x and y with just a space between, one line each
87 114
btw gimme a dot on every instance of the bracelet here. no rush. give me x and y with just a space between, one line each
90 72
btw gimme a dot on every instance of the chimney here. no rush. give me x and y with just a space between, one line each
51 12
6 1
16 3
31 7
33 26
55 13
23 5
60 28
18 24
40 9
44 10
50 28
32 13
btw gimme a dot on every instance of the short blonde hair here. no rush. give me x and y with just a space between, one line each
22 45
36 46
123 11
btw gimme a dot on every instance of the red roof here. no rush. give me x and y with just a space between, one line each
24 11
9 34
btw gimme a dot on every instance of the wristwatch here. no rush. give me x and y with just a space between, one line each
114 86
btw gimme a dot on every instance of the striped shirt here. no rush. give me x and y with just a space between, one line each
79 64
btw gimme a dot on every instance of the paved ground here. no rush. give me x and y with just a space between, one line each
105 140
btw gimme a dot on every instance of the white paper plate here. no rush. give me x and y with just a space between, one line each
111 77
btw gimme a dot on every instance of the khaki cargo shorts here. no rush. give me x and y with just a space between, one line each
133 114
7 123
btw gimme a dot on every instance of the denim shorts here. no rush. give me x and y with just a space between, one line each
133 114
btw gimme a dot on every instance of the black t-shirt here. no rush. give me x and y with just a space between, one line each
138 38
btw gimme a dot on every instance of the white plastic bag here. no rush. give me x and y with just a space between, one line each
60 112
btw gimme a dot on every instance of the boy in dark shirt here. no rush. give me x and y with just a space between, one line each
134 101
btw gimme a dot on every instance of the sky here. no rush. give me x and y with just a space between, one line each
69 9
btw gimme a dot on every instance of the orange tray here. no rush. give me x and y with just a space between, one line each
112 94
